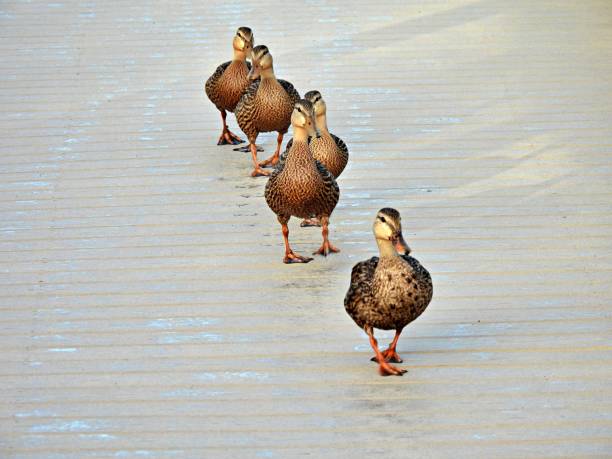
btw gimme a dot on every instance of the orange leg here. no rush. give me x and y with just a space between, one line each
384 368
228 137
290 256
257 171
326 247
390 355
272 160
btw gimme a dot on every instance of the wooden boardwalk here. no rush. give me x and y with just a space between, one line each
145 310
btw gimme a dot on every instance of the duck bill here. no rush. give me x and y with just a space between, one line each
400 244
253 73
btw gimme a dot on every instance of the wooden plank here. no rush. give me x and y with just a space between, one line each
144 308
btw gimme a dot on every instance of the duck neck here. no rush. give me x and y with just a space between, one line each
268 74
299 160
239 56
300 135
321 122
386 248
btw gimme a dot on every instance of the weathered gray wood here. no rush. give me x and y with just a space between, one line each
144 308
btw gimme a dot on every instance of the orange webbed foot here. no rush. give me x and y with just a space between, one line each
270 162
292 257
325 249
390 356
229 138
259 172
389 370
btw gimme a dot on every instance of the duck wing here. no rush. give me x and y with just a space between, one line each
211 83
421 276
359 298
327 176
293 94
330 192
245 106
341 145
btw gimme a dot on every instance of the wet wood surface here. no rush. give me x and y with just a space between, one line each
145 310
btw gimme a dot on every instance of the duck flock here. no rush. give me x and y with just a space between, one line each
386 292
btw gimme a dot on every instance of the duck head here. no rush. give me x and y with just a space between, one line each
262 63
243 42
303 121
388 229
316 99
320 108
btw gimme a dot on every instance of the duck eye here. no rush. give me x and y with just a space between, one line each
382 219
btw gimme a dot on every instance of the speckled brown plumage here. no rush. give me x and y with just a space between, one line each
266 106
330 151
390 291
300 186
229 81
225 87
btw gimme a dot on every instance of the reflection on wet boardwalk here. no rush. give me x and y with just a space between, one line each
145 311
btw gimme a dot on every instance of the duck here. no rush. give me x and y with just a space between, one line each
329 149
300 186
265 106
389 291
226 85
